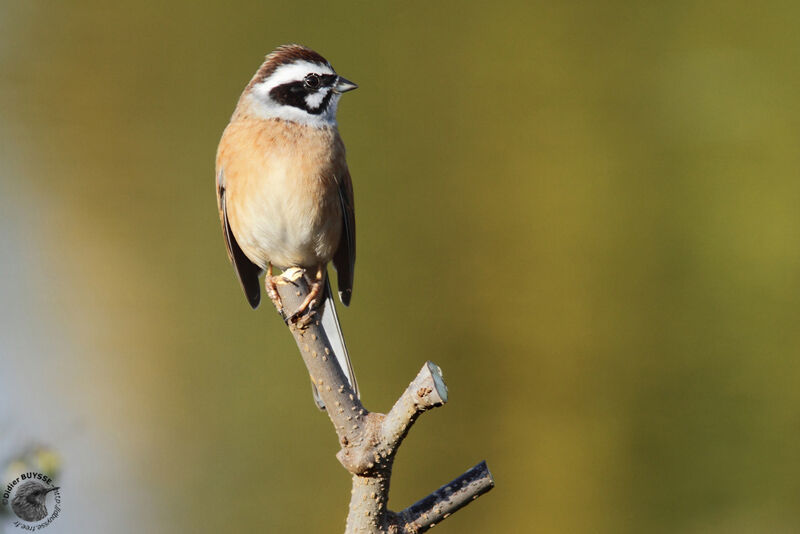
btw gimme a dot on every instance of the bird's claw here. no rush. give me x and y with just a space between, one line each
302 317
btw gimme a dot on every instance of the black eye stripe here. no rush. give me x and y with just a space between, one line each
295 93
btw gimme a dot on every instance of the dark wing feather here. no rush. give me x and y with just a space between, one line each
345 258
247 271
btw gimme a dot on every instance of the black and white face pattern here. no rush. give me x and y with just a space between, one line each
301 91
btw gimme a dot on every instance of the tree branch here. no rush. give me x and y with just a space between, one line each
369 440
445 501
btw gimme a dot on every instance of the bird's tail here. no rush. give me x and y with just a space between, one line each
332 328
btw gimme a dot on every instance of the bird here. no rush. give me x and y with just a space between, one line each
29 501
284 192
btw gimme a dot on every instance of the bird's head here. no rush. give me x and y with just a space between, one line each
34 492
29 500
296 84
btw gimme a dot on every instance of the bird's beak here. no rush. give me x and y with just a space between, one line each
342 85
52 489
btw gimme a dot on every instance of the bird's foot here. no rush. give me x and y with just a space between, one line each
271 285
303 315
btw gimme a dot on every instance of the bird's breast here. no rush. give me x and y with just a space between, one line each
281 191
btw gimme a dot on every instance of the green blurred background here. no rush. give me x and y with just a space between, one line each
585 213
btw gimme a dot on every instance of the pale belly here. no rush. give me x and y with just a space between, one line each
286 217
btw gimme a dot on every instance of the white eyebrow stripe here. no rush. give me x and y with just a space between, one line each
294 72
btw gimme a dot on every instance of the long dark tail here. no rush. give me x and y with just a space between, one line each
330 324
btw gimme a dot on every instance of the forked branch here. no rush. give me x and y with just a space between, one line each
369 440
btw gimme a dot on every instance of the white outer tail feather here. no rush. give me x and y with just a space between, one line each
332 328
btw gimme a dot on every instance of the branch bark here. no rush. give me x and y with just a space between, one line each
369 440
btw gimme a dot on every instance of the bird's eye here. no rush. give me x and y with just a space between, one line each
312 81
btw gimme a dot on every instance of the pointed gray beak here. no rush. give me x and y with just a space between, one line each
52 489
342 85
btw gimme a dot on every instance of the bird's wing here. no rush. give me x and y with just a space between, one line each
345 258
246 270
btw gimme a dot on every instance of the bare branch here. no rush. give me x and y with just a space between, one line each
345 410
445 501
370 440
427 391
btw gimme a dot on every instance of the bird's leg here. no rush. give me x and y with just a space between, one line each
310 302
271 287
